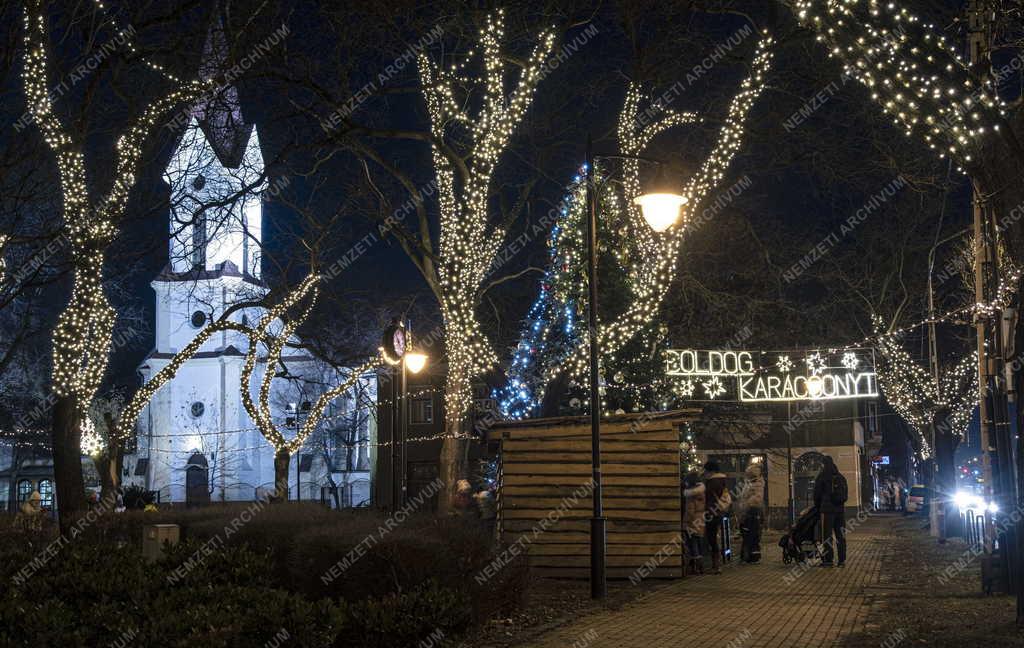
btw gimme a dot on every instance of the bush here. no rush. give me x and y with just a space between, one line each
232 583
136 498
400 620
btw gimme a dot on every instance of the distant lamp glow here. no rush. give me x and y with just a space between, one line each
415 362
993 507
660 205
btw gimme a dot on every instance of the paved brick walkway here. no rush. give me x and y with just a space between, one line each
748 606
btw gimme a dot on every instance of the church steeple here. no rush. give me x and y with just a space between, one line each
215 177
220 115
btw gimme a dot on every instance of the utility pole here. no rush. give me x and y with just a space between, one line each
995 433
937 510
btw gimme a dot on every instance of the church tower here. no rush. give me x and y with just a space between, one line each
196 442
216 178
200 441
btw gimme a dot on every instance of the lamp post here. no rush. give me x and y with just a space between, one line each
414 362
294 420
397 350
660 208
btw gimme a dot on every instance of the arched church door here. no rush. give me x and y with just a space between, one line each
197 481
805 468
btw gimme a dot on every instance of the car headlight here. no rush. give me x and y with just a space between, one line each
962 500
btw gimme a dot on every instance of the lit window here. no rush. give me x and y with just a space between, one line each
46 493
24 490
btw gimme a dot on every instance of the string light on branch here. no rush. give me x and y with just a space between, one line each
91 443
259 411
911 70
82 336
468 242
912 392
550 341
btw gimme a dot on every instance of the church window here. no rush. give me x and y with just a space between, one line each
198 409
199 241
24 490
46 493
198 319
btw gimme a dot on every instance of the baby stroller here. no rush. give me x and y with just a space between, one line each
801 532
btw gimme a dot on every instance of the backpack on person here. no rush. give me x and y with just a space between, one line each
837 490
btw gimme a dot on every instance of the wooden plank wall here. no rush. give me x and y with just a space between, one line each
545 501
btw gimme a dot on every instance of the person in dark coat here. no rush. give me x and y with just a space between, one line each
830 495
693 521
718 499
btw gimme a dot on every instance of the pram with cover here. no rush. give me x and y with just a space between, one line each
802 532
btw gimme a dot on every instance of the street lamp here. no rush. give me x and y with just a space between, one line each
660 208
415 361
660 204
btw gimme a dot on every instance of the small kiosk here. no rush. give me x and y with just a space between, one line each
545 492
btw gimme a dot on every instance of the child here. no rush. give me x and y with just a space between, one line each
693 521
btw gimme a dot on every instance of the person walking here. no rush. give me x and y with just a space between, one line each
830 495
750 513
693 521
717 501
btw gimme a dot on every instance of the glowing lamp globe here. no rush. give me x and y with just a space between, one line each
415 362
660 210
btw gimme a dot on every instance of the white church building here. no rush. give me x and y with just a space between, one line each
196 442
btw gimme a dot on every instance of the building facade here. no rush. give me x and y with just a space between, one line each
196 442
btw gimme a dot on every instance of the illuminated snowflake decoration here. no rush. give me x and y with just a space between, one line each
714 387
850 360
784 364
91 442
685 388
816 364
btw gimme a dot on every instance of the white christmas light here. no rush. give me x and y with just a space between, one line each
82 337
468 243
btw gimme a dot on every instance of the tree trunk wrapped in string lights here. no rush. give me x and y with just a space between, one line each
259 411
648 260
466 149
82 338
912 392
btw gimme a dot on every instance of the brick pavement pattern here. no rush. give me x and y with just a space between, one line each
768 605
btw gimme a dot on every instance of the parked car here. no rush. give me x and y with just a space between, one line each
915 499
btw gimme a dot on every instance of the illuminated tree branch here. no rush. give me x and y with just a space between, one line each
468 240
82 337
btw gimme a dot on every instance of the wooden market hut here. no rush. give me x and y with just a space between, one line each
545 504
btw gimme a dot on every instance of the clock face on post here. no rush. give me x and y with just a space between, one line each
399 342
393 343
